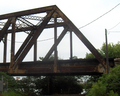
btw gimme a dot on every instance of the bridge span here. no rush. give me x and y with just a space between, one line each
32 23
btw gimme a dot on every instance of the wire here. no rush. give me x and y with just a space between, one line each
37 40
114 31
45 39
99 16
114 26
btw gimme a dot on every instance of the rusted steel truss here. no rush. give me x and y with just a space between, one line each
54 18
64 67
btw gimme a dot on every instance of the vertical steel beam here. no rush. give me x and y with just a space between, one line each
35 51
54 45
5 48
55 39
13 41
71 48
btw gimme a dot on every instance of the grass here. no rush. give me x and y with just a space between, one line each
10 93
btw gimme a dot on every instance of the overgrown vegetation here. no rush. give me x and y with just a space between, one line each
10 86
104 86
113 50
47 85
107 85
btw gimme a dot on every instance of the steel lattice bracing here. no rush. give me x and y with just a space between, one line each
30 22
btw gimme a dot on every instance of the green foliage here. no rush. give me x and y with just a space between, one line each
89 55
51 58
74 57
11 93
91 79
27 86
113 50
47 85
111 93
107 85
12 85
58 84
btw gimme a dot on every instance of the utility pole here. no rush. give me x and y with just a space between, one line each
107 62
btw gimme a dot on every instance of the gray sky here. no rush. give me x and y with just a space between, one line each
80 12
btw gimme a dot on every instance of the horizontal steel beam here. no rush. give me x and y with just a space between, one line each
27 12
65 67
30 28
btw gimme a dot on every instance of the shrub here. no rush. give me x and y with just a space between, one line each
108 84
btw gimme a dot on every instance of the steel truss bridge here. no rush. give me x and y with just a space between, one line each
32 23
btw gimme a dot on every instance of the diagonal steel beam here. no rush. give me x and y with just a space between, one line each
5 28
81 37
54 45
23 45
33 39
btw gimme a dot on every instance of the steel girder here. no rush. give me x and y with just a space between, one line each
53 13
64 67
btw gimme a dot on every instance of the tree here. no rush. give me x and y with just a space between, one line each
113 51
27 85
59 85
12 85
108 84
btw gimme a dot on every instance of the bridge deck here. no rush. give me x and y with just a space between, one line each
64 67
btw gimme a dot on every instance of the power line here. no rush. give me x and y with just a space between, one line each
45 39
99 16
113 32
114 26
37 40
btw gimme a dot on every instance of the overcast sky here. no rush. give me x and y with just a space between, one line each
80 12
